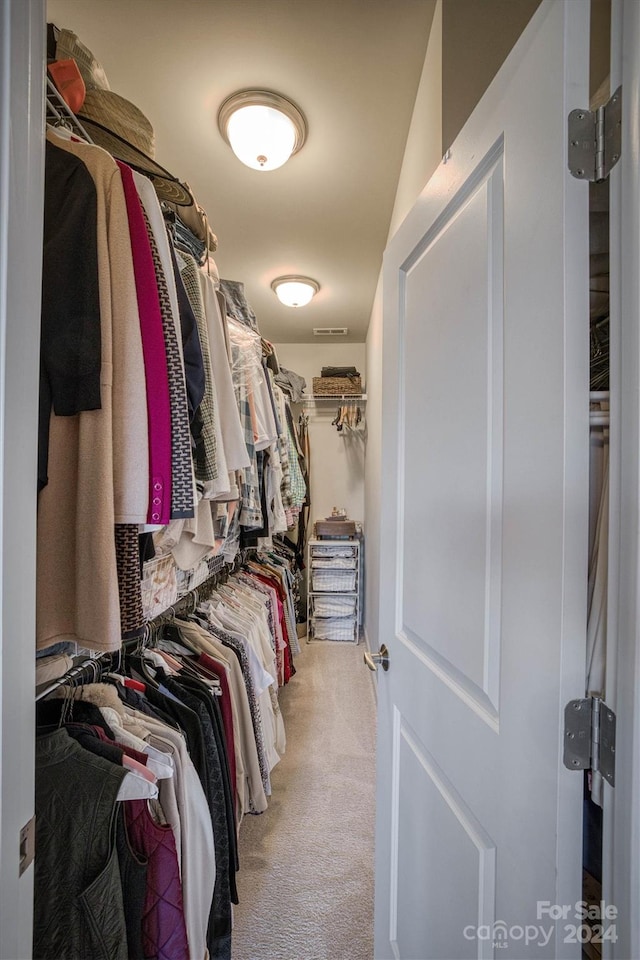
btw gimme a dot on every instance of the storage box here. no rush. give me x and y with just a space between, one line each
335 528
337 386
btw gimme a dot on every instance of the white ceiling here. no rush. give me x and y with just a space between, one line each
352 66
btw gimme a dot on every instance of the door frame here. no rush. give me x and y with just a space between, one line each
621 839
22 48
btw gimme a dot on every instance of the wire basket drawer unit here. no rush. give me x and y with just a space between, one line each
334 628
333 604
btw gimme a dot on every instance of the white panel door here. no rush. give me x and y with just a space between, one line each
484 526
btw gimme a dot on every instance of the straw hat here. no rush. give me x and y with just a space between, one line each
116 124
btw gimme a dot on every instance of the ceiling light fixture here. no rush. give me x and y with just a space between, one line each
262 128
295 291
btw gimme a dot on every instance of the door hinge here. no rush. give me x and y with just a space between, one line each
590 737
595 140
27 845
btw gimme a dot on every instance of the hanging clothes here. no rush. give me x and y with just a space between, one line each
209 458
78 905
98 459
200 717
122 354
235 448
182 483
164 933
70 349
160 421
155 360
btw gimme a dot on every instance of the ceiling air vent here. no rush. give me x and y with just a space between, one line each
330 331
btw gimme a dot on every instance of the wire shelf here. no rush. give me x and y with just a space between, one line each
59 114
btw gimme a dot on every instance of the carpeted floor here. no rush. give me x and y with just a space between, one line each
306 865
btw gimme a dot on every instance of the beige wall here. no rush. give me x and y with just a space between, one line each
600 43
477 36
423 148
422 156
337 459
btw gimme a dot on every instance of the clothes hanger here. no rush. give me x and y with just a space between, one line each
158 660
160 763
70 689
137 664
173 642
136 787
133 786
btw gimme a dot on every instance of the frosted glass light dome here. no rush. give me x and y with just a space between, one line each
262 128
295 291
263 138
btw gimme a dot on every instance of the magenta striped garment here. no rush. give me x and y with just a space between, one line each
155 359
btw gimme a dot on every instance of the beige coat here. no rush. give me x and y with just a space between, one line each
98 460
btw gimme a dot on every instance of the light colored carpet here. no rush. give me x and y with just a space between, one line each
306 865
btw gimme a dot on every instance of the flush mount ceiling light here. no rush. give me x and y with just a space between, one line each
295 291
262 128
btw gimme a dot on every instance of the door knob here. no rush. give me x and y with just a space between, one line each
373 659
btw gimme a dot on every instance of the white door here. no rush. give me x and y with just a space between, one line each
484 526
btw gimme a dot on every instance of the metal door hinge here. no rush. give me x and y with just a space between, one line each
27 845
595 139
590 737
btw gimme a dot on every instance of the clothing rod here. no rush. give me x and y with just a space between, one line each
334 396
95 666
78 670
